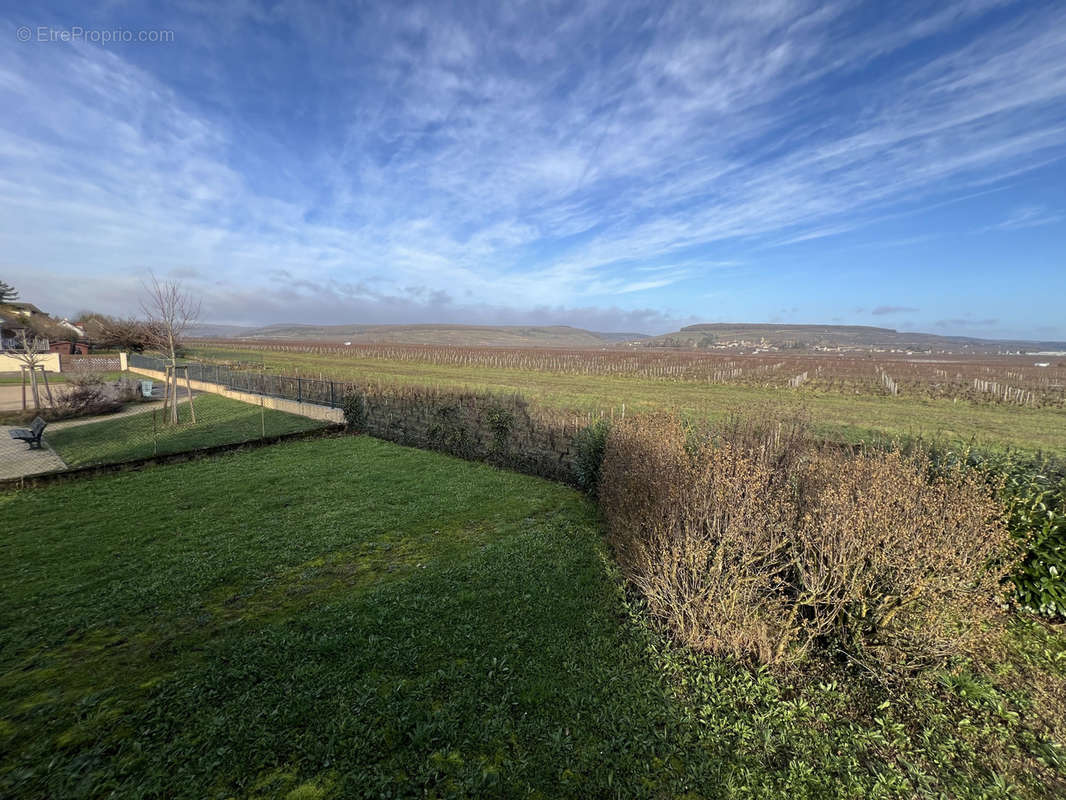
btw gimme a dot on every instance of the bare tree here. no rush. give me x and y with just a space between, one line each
114 333
30 353
169 310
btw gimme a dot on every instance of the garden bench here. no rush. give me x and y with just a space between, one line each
32 435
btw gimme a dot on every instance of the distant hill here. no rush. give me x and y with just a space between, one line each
709 336
831 337
456 335
622 337
208 331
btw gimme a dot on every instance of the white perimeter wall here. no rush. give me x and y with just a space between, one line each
50 361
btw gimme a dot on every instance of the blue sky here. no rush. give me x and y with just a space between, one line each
610 165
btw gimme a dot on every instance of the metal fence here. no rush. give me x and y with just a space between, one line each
303 390
93 419
503 430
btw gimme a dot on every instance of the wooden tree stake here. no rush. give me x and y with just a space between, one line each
188 385
47 388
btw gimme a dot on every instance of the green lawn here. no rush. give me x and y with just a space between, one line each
219 420
838 416
348 618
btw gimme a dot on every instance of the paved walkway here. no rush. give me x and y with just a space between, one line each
16 459
11 396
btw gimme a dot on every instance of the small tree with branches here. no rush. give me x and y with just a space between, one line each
169 310
114 333
30 353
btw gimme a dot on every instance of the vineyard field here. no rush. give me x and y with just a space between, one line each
1000 400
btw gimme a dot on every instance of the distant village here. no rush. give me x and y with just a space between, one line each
25 327
23 324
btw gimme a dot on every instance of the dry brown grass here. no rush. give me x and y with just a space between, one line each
752 542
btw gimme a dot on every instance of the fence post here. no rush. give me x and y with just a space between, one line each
332 404
299 390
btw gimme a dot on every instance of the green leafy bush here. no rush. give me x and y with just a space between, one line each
453 430
1033 493
501 420
354 410
590 445
1035 499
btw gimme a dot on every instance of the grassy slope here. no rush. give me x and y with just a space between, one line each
349 618
836 415
219 421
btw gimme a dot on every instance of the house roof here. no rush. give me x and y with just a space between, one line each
23 307
10 321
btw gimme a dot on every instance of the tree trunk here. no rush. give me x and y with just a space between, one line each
34 390
174 374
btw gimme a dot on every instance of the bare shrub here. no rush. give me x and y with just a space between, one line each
128 390
898 565
699 536
752 542
85 395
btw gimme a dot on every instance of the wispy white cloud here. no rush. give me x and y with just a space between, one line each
1026 217
880 311
509 155
905 241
